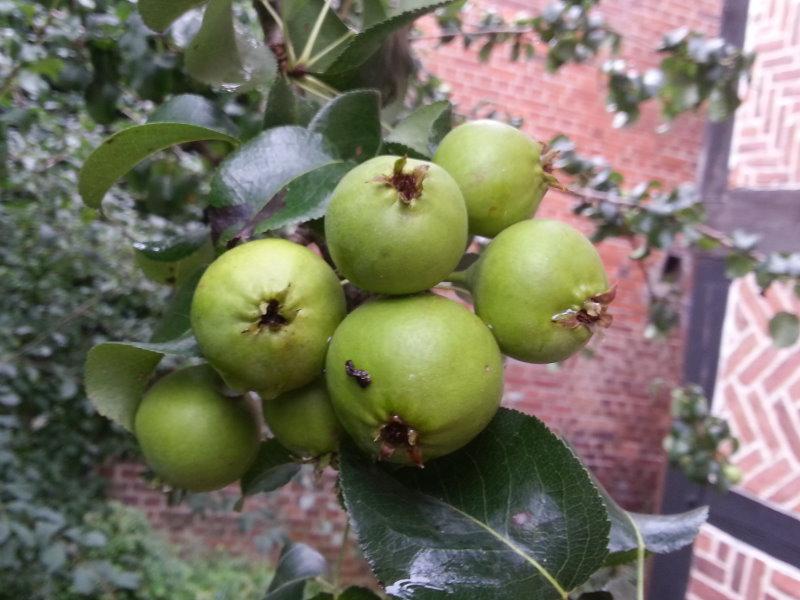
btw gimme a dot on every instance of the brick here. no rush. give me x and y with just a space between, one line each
787 585
757 366
781 374
704 591
710 569
790 433
767 477
755 581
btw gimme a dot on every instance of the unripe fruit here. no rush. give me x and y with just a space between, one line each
263 313
192 435
396 226
303 420
499 171
541 288
413 378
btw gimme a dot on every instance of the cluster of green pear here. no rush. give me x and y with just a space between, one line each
409 375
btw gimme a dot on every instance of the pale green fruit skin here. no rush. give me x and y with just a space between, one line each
386 246
230 299
499 171
303 420
191 435
530 272
432 362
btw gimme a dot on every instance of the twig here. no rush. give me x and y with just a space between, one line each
475 33
595 197
312 38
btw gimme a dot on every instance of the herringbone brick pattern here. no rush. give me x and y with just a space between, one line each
765 151
758 391
725 568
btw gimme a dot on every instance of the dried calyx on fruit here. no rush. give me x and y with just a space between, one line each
396 225
594 312
407 183
397 435
413 378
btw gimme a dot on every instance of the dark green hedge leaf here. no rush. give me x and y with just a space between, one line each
297 564
364 44
306 197
117 374
514 514
351 122
273 468
218 54
784 328
185 118
158 14
424 128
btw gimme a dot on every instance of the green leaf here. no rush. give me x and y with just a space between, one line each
176 322
351 123
374 11
297 564
364 44
306 197
185 118
284 107
218 54
784 328
513 514
660 534
117 374
738 265
173 251
159 14
300 16
424 128
273 468
50 67
246 183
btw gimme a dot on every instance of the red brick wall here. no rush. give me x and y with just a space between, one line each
726 569
766 152
604 406
758 385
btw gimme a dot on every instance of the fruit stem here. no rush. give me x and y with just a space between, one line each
459 278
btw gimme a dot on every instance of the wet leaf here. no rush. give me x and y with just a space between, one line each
513 514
